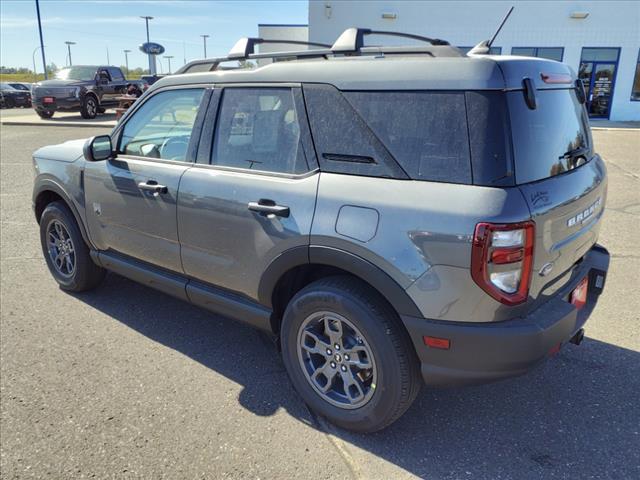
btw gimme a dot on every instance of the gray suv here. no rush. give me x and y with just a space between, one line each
391 215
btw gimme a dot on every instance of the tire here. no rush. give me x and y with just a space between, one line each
9 103
79 273
371 331
89 107
45 114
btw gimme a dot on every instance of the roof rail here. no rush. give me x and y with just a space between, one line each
246 46
352 39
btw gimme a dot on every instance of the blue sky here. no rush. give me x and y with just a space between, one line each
115 24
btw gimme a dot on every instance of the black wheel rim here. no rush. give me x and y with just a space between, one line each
336 360
62 251
91 107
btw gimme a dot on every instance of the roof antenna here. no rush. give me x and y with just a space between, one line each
484 47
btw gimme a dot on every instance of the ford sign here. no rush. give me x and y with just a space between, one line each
152 48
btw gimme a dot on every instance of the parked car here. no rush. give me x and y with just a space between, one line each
11 97
391 216
87 89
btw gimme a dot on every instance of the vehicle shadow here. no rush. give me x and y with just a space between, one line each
576 416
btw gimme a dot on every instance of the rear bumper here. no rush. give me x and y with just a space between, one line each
485 352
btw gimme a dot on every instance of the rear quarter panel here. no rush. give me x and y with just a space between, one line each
422 238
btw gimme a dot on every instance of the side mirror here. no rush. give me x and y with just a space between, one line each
98 148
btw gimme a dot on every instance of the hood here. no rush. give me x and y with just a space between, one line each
65 152
62 83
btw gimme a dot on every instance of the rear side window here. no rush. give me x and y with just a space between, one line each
258 129
116 74
426 132
344 142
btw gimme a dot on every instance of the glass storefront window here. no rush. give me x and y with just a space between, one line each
551 53
635 88
600 54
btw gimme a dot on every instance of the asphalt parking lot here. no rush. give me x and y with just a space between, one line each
125 382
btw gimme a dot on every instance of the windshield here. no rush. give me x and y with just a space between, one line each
76 73
550 140
6 86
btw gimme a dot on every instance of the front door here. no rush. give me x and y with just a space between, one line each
597 73
131 199
254 196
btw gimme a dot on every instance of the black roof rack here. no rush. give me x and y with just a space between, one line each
351 41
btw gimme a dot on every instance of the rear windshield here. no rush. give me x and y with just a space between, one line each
544 137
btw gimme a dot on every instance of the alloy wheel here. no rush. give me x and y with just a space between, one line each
336 360
61 249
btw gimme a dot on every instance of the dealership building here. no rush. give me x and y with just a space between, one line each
600 40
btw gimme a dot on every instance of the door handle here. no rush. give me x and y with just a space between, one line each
152 186
268 207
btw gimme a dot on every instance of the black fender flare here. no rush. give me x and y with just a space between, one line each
342 259
49 185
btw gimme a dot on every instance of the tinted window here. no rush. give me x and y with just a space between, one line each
542 137
489 138
343 141
426 132
258 129
161 127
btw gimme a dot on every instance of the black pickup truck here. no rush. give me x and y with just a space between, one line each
88 89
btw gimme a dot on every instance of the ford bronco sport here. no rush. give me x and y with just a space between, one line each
391 215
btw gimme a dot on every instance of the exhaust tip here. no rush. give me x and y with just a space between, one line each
578 337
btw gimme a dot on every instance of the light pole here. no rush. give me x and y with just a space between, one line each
152 61
169 57
69 50
33 57
126 59
204 40
44 62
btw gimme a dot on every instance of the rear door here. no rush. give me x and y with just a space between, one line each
251 195
562 179
131 199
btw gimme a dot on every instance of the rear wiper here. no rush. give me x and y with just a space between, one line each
576 152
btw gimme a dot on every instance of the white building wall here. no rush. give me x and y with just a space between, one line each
281 32
532 24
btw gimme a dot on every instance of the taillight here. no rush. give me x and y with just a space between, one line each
502 258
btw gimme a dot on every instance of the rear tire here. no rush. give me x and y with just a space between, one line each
89 107
45 114
65 251
378 379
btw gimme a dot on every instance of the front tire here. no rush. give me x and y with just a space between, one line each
65 251
348 355
89 107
